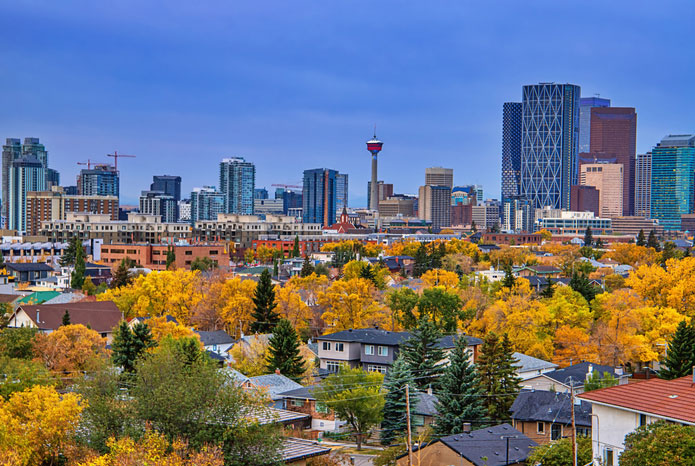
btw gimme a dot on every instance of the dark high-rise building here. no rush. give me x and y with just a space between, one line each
585 106
27 173
167 184
549 141
159 203
319 196
290 199
237 183
614 135
511 152
341 194
260 193
13 150
171 187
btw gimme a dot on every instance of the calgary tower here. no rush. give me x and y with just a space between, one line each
374 146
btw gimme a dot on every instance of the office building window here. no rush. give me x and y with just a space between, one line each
383 351
369 349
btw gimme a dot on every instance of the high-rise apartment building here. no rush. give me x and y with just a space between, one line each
434 205
260 193
549 142
159 203
438 176
385 190
184 206
673 180
206 203
585 106
102 180
13 150
319 196
607 178
290 199
171 186
486 216
643 185
341 194
614 136
511 149
238 184
27 174
517 215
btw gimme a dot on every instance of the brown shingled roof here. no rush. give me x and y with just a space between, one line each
101 316
8 298
672 399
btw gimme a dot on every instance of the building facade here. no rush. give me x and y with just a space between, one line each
159 203
673 180
385 191
102 180
341 193
643 185
397 206
561 222
170 185
511 153
585 106
319 196
517 214
237 184
13 150
27 174
154 256
607 178
585 199
438 176
486 216
206 204
549 143
434 205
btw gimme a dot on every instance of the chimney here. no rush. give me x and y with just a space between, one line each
466 427
38 318
277 371
429 389
591 370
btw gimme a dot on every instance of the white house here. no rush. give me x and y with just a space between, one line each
618 411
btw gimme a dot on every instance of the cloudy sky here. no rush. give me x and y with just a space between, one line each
291 85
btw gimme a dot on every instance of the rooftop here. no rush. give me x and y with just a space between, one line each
529 363
547 406
217 337
101 316
385 337
579 372
295 449
274 384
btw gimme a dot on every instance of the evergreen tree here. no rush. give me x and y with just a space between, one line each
121 277
548 291
641 241
652 242
680 355
498 379
66 318
307 268
171 258
276 268
295 247
422 352
77 278
264 315
421 264
686 253
283 351
509 281
394 425
583 286
588 237
435 258
69 254
460 399
367 273
459 271
474 227
128 345
2 261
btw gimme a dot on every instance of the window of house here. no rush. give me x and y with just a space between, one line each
643 419
326 345
608 456
332 366
339 346
418 420
321 408
369 349
213 252
188 253
383 351
298 403
541 427
583 431
375 368
555 432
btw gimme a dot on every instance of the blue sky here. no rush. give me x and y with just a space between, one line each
292 85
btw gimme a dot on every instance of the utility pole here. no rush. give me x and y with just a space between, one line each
407 416
507 437
574 426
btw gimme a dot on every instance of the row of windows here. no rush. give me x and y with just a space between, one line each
368 349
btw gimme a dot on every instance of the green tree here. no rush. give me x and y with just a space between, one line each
264 315
596 381
276 268
559 453
17 375
423 354
128 345
367 272
70 253
78 273
658 444
641 240
295 247
498 379
508 281
356 398
66 318
18 342
203 264
394 425
88 287
2 261
307 268
670 251
588 237
474 227
403 302
283 351
680 355
171 258
121 276
460 400
653 242
443 308
322 269
581 284
598 244
421 264
548 290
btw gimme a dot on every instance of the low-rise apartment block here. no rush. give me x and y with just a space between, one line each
154 256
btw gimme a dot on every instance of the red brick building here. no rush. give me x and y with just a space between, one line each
511 239
306 247
154 256
584 199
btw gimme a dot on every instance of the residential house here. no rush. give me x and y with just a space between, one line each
143 320
296 451
538 270
273 385
97 273
425 411
37 297
560 380
492 275
218 342
618 411
545 416
493 446
302 400
528 366
400 264
28 272
101 316
372 349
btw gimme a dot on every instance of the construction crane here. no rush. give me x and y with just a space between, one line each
116 156
88 163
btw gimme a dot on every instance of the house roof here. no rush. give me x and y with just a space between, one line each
306 393
295 449
217 337
65 298
9 298
547 406
579 372
529 363
426 404
235 375
670 399
269 415
101 316
38 297
488 447
384 337
28 267
214 356
274 384
539 269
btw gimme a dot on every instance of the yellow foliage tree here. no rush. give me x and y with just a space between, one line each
403 248
460 246
309 287
673 287
227 303
439 277
631 254
265 254
161 328
569 308
573 345
37 424
372 250
248 357
292 307
351 304
70 348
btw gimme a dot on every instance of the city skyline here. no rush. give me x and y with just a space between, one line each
170 89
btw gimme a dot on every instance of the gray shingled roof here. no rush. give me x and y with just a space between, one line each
306 393
529 363
275 384
546 406
295 449
486 447
65 298
29 267
578 373
384 337
217 337
426 405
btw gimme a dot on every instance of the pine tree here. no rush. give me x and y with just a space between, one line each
509 281
128 345
283 352
498 379
421 261
394 425
460 399
588 237
171 258
474 227
367 273
121 277
652 242
264 299
307 268
66 318
295 247
68 257
548 291
423 353
77 278
583 286
276 268
2 261
459 271
598 244
641 241
686 253
680 355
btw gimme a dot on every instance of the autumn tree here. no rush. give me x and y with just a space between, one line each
250 358
21 374
292 307
498 379
680 356
350 304
283 351
204 264
128 345
423 354
161 327
442 278
560 453
70 349
226 303
394 424
355 396
18 342
659 443
264 314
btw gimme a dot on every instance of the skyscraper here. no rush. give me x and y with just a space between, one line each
673 180
206 203
614 136
438 176
511 149
643 185
102 180
341 194
167 184
27 173
585 106
549 141
238 184
159 203
13 150
607 178
319 196
434 199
